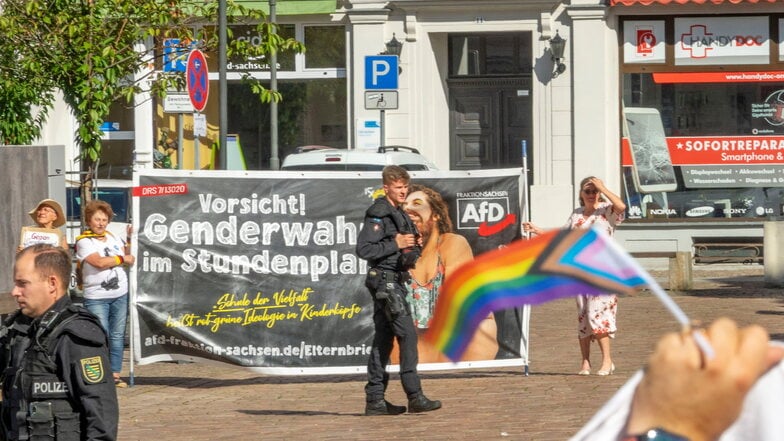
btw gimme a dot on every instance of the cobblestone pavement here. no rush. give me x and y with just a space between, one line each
200 401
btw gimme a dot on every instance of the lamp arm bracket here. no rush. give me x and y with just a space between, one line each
410 26
546 23
546 20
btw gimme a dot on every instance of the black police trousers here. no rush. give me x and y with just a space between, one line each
402 328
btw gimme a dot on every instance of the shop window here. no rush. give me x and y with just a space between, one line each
313 108
720 143
326 47
260 64
490 54
117 143
711 144
312 112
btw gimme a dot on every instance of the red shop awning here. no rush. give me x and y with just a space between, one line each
683 2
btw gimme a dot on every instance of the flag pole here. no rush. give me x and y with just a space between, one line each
526 214
673 307
132 310
668 302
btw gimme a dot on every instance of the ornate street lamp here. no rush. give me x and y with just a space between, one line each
557 46
394 47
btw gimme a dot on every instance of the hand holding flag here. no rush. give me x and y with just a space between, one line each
556 264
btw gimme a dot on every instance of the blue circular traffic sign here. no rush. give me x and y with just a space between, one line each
197 79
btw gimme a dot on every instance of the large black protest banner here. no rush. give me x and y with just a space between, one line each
259 269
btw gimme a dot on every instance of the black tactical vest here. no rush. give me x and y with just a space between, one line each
38 404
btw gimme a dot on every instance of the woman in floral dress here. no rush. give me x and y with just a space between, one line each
595 313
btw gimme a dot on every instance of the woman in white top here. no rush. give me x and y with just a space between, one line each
595 313
101 257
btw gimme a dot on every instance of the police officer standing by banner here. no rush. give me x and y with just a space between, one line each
391 245
54 360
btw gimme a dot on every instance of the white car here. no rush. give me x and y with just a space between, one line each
319 158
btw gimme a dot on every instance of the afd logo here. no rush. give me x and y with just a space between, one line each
473 212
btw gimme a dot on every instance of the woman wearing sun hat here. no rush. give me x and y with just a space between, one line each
48 214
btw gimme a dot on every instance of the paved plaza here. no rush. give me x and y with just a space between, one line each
201 401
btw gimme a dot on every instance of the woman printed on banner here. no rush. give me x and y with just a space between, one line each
442 252
102 257
596 314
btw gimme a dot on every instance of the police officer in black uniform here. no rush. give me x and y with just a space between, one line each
390 243
54 361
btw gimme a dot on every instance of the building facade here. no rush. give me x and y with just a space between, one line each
677 105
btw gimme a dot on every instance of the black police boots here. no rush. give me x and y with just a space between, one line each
383 407
421 403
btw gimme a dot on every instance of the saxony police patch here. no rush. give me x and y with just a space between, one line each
92 369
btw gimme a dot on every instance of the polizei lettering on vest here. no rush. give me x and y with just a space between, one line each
49 387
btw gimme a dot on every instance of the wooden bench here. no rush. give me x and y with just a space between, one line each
679 274
728 252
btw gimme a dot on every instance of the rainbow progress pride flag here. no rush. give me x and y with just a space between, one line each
559 263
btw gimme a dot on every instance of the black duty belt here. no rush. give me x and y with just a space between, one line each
395 276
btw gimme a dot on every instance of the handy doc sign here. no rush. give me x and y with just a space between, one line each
721 40
644 41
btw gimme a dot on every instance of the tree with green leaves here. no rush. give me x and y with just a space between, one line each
25 99
96 52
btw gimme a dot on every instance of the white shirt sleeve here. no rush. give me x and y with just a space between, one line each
760 418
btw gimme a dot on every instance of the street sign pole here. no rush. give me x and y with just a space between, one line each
381 100
180 124
223 85
274 141
196 147
381 77
382 141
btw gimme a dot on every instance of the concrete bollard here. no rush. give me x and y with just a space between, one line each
680 271
773 253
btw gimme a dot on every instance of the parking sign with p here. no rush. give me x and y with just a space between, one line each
381 72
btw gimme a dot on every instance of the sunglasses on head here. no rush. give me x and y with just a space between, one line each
588 191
